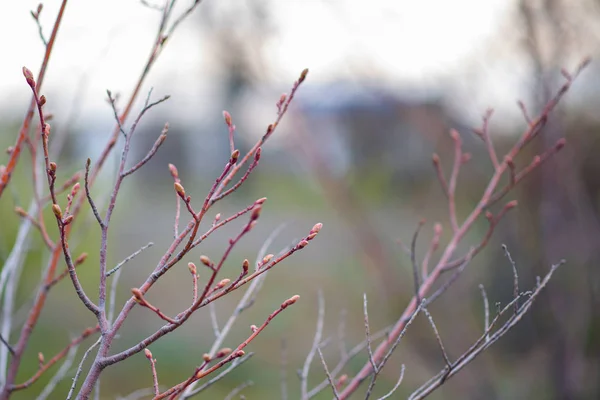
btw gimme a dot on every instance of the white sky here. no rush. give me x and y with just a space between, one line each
400 42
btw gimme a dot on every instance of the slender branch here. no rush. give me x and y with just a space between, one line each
486 311
129 258
8 346
413 260
329 377
24 131
238 389
315 346
161 139
458 159
433 246
153 368
236 363
396 386
486 339
438 338
59 356
80 367
60 374
515 276
237 353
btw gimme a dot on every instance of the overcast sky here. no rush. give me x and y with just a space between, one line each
399 42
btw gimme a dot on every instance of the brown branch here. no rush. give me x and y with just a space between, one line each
23 132
237 353
148 355
44 366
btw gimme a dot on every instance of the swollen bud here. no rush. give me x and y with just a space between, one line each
227 117
29 77
223 352
234 156
179 189
255 213
81 259
148 354
314 231
290 301
137 293
267 258
192 268
206 261
303 75
223 283
173 170
57 211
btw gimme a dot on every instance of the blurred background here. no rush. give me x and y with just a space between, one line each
387 81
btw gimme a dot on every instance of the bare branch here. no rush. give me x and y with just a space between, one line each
515 276
438 338
129 258
315 346
486 310
329 377
238 389
396 386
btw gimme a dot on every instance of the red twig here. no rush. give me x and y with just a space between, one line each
486 200
440 174
23 132
484 134
44 366
141 300
433 246
238 352
148 354
458 161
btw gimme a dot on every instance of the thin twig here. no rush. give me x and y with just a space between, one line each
213 319
486 311
60 374
129 258
433 246
8 346
413 260
515 276
438 337
369 349
283 373
238 389
236 363
80 367
458 160
485 340
353 352
315 345
396 386
329 377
